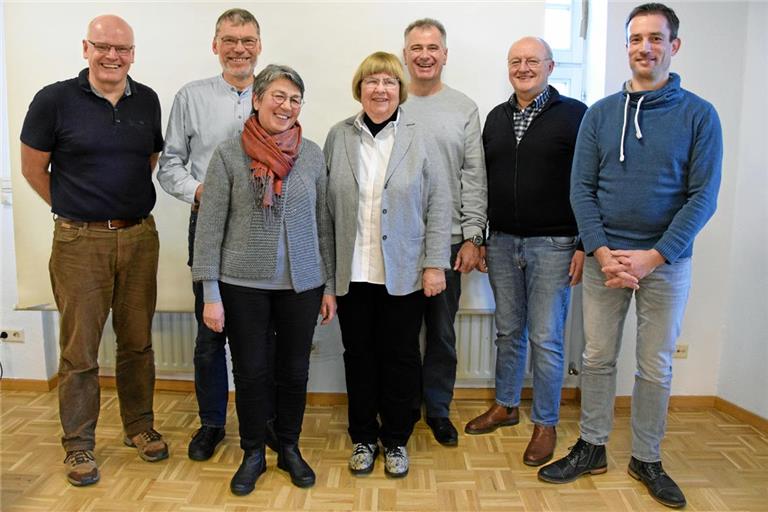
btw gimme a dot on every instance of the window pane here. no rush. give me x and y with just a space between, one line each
557 27
562 86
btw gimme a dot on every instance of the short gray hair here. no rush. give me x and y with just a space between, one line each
426 23
237 17
275 72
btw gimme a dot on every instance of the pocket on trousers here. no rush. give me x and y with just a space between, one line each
149 223
63 234
563 242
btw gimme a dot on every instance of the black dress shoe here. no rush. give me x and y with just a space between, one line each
289 459
584 458
444 431
253 465
204 442
662 488
270 436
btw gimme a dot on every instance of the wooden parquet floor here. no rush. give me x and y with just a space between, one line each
720 463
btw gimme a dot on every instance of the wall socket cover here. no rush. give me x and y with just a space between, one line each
14 335
681 352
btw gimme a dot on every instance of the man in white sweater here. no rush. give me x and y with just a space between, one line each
451 123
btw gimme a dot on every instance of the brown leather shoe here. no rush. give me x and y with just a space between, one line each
495 417
541 447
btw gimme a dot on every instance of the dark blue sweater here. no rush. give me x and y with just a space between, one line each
665 189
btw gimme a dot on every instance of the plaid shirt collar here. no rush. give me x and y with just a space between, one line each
523 118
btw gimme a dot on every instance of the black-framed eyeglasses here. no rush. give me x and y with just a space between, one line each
106 47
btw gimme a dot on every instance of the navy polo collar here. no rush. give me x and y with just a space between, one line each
82 81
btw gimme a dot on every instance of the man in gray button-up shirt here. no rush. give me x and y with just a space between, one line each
204 114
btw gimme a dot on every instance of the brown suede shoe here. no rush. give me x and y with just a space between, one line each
495 417
541 447
81 468
150 445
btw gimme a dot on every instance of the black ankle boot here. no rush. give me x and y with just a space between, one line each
661 486
289 459
253 465
584 458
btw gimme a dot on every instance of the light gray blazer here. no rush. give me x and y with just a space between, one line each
232 237
416 198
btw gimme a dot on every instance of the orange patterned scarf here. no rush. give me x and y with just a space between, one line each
272 158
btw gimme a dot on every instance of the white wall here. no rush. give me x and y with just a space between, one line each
29 360
727 318
744 355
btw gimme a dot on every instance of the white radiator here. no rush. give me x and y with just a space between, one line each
174 335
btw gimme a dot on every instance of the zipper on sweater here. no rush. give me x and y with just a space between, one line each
517 152
514 183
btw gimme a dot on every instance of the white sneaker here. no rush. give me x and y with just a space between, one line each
363 457
396 461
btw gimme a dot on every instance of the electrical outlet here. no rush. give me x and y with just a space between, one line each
16 335
681 352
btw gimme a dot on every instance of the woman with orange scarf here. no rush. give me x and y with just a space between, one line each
263 251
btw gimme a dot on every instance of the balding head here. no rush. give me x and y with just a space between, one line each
531 41
109 24
529 63
108 48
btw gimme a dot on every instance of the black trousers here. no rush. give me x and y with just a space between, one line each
382 362
250 314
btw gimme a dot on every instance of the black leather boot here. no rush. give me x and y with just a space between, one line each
253 465
289 459
584 458
661 486
204 442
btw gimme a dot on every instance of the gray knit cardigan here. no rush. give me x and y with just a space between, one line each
233 237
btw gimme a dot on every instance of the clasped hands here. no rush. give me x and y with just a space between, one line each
626 268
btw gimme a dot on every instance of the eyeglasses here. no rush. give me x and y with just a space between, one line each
279 98
388 83
532 63
105 47
249 43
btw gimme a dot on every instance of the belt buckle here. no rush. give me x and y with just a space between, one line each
110 226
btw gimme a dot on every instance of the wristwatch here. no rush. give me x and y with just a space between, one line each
476 240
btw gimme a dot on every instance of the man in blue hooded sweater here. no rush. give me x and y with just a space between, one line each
645 178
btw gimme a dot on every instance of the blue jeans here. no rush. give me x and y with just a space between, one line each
660 304
531 286
439 366
211 382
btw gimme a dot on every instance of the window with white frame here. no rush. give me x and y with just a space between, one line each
562 30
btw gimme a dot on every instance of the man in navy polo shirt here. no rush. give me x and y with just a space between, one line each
100 135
